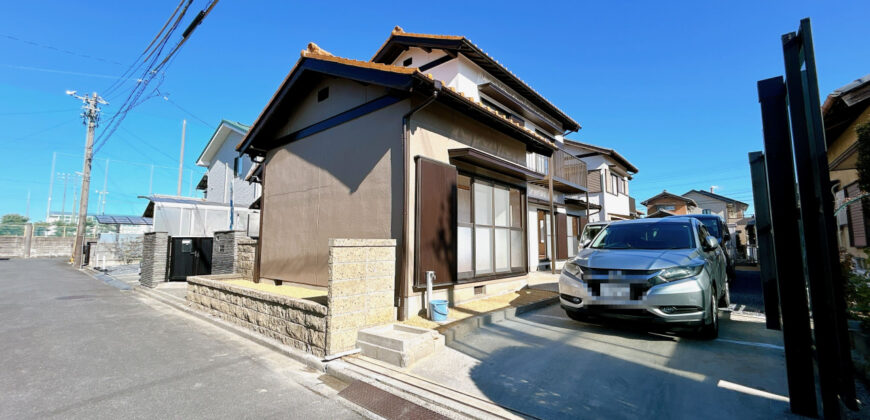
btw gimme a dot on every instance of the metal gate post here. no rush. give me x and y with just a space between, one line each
787 248
764 239
819 230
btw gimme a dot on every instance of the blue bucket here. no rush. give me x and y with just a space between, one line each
438 308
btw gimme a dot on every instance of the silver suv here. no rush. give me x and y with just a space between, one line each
668 270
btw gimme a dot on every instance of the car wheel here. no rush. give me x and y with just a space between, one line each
711 330
576 315
725 299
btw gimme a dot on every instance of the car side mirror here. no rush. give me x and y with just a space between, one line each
710 243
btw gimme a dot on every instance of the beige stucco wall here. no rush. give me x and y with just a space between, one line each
839 146
338 183
343 95
434 131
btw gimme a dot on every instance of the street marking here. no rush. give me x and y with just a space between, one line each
751 391
750 343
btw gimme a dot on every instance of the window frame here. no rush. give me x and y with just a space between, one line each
464 277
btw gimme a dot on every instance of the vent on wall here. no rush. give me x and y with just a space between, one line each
479 290
322 94
408 61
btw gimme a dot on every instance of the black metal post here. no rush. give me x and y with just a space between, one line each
764 239
819 229
787 248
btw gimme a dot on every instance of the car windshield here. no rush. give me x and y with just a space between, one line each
590 232
646 236
712 227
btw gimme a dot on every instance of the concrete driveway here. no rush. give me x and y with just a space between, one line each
72 346
548 366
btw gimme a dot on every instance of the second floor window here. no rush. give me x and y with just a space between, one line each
615 185
666 208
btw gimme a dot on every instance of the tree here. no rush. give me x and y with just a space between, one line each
12 225
863 132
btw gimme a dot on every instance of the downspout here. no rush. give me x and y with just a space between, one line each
406 153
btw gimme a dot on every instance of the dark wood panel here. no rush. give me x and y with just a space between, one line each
436 222
561 236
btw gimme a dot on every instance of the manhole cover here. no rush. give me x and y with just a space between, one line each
75 297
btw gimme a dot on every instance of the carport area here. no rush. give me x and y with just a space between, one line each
542 364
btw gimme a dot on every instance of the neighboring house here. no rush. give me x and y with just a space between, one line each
843 111
666 204
608 177
228 195
710 203
432 143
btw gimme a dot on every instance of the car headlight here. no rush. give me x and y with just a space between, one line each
573 269
677 273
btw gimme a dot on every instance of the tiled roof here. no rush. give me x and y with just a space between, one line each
314 52
717 197
399 32
603 150
667 194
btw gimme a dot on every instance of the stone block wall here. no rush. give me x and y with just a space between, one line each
155 246
12 246
233 252
361 289
40 246
299 323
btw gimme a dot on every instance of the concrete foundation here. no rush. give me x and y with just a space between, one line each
398 344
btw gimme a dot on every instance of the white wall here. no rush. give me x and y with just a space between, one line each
220 173
715 206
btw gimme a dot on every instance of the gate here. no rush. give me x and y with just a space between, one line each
188 257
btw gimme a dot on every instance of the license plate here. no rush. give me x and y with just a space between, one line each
615 290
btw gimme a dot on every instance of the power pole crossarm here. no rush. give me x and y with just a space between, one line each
91 115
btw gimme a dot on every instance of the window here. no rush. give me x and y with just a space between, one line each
620 182
614 184
490 231
646 236
573 235
408 61
666 207
707 211
538 163
322 94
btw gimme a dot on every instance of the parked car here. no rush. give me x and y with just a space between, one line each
590 231
717 227
668 270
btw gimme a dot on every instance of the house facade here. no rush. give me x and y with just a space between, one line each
431 143
228 195
666 204
710 203
608 179
844 111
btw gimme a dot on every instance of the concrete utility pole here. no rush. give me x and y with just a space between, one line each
91 116
50 186
65 177
181 159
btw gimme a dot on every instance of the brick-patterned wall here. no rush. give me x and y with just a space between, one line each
361 289
299 323
246 254
154 256
233 252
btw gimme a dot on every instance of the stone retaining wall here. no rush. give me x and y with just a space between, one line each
155 246
299 323
233 252
40 246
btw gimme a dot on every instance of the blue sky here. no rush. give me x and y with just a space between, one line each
671 85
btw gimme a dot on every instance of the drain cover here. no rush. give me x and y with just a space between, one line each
385 404
75 297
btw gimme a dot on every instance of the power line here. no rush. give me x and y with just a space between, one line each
62 50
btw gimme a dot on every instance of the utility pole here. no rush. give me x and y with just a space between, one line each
65 177
50 186
90 116
181 159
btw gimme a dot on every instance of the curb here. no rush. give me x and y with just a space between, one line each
181 305
460 329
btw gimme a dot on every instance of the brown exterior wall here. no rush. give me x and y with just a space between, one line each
679 205
847 233
341 182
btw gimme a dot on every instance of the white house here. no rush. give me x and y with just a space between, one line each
228 196
608 179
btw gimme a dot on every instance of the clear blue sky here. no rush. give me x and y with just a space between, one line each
670 85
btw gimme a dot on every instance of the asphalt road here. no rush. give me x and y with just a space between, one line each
72 346
545 365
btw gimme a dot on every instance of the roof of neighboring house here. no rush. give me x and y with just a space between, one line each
217 140
613 154
718 197
843 105
314 59
105 219
400 40
660 214
665 194
172 199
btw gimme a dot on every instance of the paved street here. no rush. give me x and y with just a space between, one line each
72 346
546 365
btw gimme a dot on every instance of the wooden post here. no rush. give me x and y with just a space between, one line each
787 248
764 240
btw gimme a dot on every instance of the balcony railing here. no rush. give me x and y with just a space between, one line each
569 173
